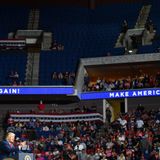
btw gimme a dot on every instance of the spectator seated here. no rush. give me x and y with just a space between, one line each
143 81
83 33
131 135
13 64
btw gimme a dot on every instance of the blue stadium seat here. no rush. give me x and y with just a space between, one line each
12 61
84 33
12 18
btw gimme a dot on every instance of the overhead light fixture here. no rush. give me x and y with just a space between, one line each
130 51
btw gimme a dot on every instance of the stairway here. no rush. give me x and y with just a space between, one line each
35 72
120 39
36 19
32 69
33 58
141 21
33 21
143 16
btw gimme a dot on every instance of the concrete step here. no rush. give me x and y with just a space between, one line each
119 40
143 16
32 69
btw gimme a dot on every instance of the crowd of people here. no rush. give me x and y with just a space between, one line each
67 78
57 47
149 26
132 136
13 79
143 81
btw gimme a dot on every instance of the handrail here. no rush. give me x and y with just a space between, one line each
57 117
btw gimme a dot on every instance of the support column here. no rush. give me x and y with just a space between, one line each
33 58
126 105
105 105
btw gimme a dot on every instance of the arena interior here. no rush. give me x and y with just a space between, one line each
80 80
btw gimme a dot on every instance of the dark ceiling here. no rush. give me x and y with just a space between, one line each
85 3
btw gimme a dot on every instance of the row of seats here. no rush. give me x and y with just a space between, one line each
84 33
12 61
11 19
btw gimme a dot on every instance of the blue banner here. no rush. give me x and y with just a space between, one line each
43 90
120 94
36 90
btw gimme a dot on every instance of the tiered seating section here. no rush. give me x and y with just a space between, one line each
83 33
12 18
154 16
134 135
11 62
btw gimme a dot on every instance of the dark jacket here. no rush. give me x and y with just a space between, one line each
7 151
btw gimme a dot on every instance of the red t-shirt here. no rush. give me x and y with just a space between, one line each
41 107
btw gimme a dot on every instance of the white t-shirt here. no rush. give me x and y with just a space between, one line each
123 123
78 147
139 123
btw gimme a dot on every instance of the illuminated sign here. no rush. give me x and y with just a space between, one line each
36 90
120 94
52 90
